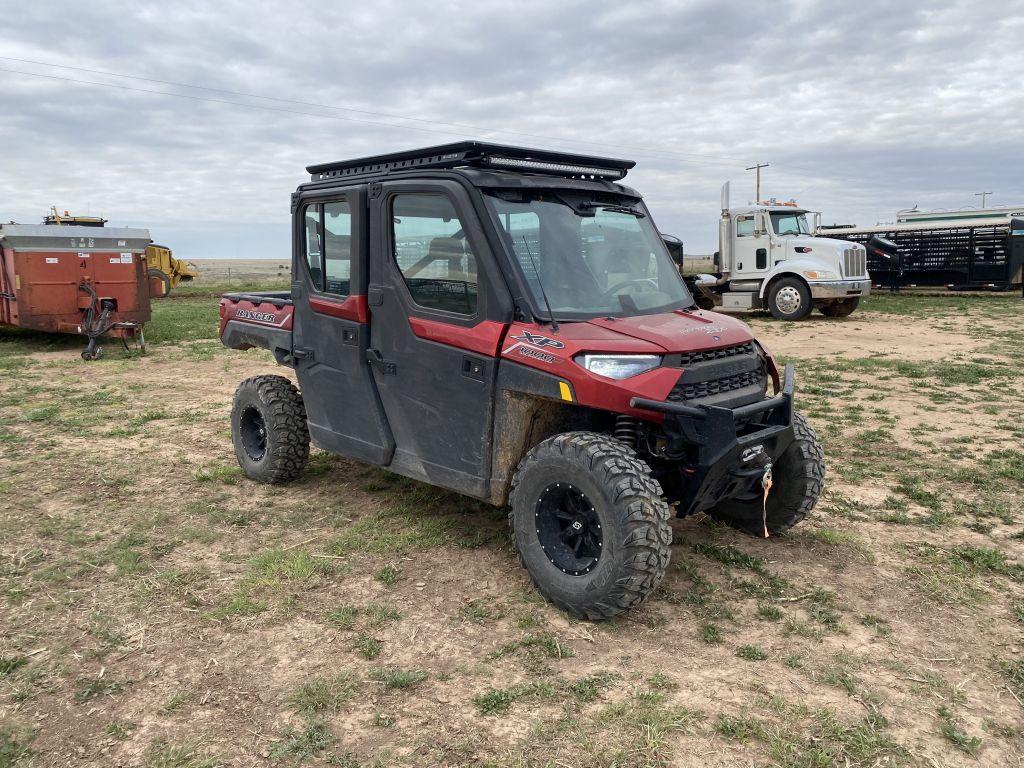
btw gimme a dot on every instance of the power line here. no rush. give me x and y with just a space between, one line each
242 94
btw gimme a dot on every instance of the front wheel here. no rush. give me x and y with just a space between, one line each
841 308
590 524
268 428
798 476
789 299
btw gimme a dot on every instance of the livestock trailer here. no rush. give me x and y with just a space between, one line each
84 280
983 253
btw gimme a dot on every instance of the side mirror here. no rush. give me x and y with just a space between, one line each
760 225
675 248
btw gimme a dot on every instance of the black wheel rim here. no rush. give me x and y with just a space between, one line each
568 529
253 431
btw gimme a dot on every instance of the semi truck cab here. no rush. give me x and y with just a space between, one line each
768 259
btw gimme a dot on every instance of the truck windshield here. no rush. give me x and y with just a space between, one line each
593 259
790 223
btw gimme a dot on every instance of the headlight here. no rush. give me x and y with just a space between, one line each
619 366
821 274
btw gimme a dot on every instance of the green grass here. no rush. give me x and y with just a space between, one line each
15 745
500 700
163 754
395 677
388 575
368 646
323 694
342 617
176 702
544 643
751 653
300 744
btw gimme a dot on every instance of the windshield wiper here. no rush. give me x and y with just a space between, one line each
540 284
615 209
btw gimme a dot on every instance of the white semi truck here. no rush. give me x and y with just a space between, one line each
768 259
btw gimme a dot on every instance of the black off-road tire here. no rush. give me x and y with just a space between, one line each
628 506
789 299
841 308
280 452
165 281
797 479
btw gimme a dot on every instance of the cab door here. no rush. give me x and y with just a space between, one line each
331 327
439 312
751 241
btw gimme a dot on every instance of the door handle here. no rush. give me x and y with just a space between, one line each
376 360
375 297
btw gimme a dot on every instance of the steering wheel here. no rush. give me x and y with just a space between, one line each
611 291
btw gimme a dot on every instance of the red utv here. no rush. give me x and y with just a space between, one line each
507 323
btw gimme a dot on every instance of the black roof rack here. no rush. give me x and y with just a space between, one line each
480 155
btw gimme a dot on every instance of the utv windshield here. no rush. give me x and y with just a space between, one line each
790 223
591 259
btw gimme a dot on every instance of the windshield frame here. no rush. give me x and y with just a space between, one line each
799 214
573 199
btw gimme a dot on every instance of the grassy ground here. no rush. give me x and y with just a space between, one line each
160 610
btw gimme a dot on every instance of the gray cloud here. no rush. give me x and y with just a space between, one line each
861 108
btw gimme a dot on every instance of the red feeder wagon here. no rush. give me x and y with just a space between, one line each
75 279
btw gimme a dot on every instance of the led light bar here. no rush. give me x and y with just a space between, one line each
538 165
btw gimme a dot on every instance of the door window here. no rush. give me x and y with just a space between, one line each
744 226
329 246
430 247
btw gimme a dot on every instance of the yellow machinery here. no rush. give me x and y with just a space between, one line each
165 271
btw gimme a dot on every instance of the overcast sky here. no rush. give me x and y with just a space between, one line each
860 108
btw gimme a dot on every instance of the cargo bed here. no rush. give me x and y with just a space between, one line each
258 319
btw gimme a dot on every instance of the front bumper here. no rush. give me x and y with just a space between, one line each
839 289
733 445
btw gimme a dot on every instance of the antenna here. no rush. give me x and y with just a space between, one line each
543 293
983 196
757 168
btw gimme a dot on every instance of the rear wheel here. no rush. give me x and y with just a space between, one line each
161 281
789 299
269 431
841 308
590 524
797 481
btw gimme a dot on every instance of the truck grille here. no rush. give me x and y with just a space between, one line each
855 262
727 377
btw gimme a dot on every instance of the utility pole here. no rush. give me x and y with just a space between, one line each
983 196
757 169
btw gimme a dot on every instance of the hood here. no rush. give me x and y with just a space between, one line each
826 244
676 331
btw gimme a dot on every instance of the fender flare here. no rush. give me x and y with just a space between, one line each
789 268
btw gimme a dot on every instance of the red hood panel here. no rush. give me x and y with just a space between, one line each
678 331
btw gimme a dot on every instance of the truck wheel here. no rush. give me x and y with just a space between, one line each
789 299
590 524
841 308
797 478
268 428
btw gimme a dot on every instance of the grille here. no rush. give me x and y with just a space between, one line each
855 262
702 389
689 358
